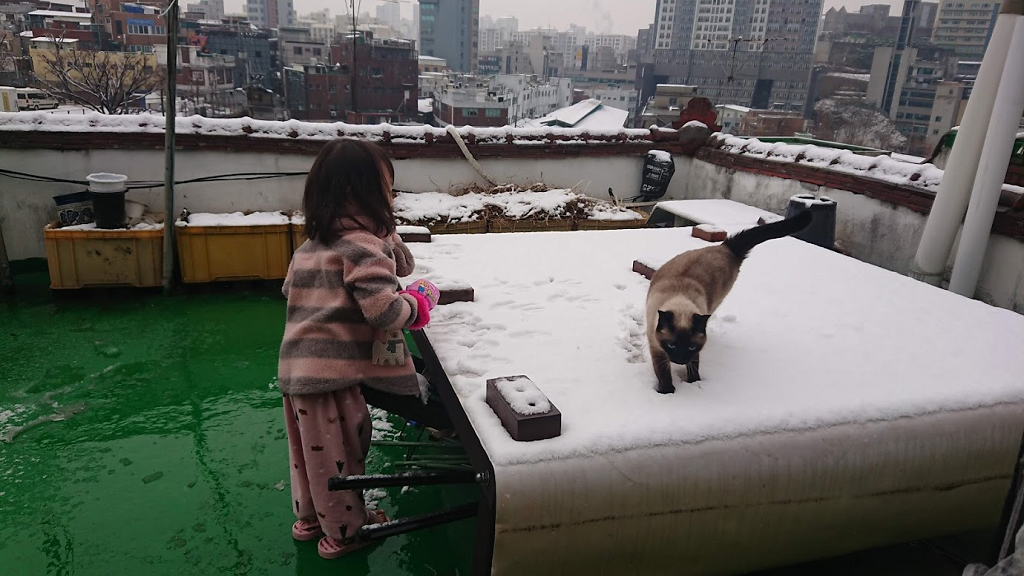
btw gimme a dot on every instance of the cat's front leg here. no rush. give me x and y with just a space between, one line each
663 370
693 370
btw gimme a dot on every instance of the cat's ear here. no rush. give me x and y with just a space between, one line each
700 323
666 320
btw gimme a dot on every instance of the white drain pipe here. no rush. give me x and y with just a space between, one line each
955 190
995 157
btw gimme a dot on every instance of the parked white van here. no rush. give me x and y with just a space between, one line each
35 99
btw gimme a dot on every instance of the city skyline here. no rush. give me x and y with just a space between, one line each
601 16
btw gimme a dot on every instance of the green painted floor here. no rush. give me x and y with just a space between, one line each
153 444
156 444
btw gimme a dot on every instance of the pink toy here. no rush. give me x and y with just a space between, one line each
427 289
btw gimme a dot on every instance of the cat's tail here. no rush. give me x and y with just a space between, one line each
742 243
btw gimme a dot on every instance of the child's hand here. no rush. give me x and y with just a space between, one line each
428 290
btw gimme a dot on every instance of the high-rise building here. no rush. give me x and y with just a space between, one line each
390 13
965 26
754 53
211 9
270 13
450 29
509 24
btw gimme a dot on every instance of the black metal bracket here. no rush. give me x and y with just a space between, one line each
375 532
1013 510
406 479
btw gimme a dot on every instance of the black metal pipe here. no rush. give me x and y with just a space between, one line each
406 479
373 532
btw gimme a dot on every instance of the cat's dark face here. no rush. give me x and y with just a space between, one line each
681 338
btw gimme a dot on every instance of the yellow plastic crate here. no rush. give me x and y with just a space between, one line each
215 253
298 236
80 258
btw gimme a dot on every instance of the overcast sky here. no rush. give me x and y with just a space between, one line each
616 16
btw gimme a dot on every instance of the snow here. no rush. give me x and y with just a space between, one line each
235 219
439 206
58 14
807 339
52 39
710 228
144 225
695 124
426 105
247 127
735 108
607 212
809 200
660 155
523 395
716 211
848 76
408 229
879 167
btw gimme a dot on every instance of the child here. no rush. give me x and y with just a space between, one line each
344 329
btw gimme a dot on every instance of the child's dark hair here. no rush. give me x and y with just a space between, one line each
347 180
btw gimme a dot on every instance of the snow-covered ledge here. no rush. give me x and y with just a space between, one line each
426 159
883 201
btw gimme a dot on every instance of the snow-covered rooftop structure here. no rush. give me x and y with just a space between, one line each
83 16
823 414
585 115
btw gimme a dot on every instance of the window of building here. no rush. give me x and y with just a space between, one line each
494 112
297 50
470 112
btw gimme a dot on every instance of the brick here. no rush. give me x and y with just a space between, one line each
643 269
523 427
709 233
452 295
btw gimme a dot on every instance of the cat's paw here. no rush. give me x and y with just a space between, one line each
666 389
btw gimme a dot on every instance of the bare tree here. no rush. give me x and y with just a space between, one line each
858 125
107 82
8 59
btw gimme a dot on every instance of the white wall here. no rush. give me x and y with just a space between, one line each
26 207
871 230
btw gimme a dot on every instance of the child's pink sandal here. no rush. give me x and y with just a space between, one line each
329 548
304 531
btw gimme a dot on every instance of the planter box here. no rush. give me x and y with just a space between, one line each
477 227
610 224
503 225
212 253
80 258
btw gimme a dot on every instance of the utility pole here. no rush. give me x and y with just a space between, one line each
355 71
169 118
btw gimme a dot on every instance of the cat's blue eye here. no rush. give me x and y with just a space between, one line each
693 347
670 346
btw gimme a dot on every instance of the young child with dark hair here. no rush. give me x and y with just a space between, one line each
346 313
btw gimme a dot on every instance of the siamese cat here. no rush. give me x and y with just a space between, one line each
688 289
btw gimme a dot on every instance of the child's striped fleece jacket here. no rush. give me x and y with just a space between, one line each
344 307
